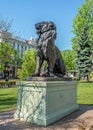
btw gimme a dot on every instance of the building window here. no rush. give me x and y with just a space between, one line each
25 47
18 47
21 51
14 45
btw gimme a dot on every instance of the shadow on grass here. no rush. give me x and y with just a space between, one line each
4 94
86 104
86 82
8 101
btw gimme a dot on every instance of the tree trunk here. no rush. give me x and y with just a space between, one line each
87 78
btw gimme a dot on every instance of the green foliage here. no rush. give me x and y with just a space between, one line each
83 57
91 75
84 16
28 64
7 53
1 67
69 59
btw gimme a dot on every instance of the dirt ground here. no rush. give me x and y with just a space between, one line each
83 118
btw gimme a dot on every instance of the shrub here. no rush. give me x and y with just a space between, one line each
6 84
28 64
91 75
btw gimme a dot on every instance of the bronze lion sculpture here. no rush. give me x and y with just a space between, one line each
48 51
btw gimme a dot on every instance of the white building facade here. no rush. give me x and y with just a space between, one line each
19 44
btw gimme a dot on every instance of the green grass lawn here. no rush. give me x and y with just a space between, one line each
8 96
85 93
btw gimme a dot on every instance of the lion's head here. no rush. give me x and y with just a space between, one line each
46 30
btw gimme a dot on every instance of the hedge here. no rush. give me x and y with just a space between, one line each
7 84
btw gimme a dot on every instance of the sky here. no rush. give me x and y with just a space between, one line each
26 13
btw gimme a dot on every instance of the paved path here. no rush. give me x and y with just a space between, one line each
84 116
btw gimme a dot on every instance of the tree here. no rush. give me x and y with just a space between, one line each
83 57
7 32
5 25
7 54
28 64
69 59
84 15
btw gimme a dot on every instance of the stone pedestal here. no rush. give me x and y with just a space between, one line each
44 102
